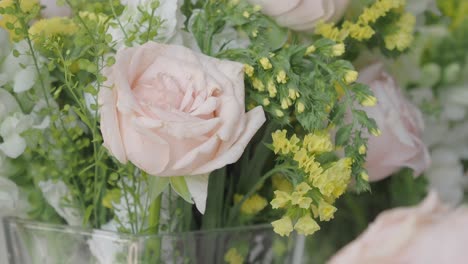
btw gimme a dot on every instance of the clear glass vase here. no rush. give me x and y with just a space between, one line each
32 242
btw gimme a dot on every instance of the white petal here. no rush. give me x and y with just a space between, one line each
198 187
13 146
55 193
24 79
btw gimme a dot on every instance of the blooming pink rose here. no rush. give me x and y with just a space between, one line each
51 9
302 15
429 233
174 112
400 144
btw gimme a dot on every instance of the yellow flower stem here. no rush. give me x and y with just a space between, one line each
234 212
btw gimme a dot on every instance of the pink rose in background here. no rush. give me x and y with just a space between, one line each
175 112
401 123
51 9
302 15
429 233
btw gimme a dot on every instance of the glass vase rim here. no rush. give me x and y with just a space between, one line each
91 232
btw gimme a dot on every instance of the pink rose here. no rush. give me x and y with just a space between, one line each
400 144
51 9
175 112
429 233
302 15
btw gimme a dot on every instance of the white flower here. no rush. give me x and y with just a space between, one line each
446 175
23 78
168 11
56 194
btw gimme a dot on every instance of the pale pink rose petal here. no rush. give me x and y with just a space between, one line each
255 120
400 143
175 112
428 233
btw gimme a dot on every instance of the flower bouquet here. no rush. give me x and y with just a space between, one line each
171 131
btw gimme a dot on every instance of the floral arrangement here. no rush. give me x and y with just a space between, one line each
163 116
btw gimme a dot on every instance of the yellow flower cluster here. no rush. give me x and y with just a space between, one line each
233 256
361 30
403 38
321 186
252 205
53 27
25 6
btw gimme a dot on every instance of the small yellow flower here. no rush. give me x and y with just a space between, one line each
255 33
283 226
233 256
251 205
293 141
246 14
362 150
266 64
249 70
281 199
301 156
279 113
53 26
376 132
257 8
25 6
326 211
280 142
300 107
266 102
281 77
364 176
338 49
369 101
318 142
284 103
258 85
271 89
293 94
303 188
311 49
306 225
300 200
351 77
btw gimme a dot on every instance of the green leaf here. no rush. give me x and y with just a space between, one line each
180 187
343 135
157 185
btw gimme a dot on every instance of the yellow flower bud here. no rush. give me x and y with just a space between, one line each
266 64
364 176
255 33
369 101
246 14
249 70
281 77
283 227
266 102
311 49
293 94
257 8
306 226
271 89
362 150
233 256
350 76
376 132
284 104
258 85
300 108
279 113
338 49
